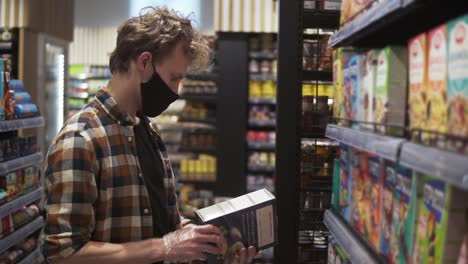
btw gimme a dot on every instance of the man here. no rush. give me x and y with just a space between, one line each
110 184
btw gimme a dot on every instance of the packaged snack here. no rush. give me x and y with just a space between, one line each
359 200
9 105
441 222
351 76
437 80
344 56
374 193
336 184
417 51
346 9
368 76
22 97
387 208
391 83
11 187
16 85
457 92
404 215
26 110
337 82
345 183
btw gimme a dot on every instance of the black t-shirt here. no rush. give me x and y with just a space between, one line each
153 175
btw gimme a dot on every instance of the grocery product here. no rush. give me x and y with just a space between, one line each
9 105
437 80
360 203
337 82
366 94
390 90
441 222
22 97
351 81
336 184
346 9
387 208
373 191
405 199
345 183
343 57
417 59
26 110
16 85
457 92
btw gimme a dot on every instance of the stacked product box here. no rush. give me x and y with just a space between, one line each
417 59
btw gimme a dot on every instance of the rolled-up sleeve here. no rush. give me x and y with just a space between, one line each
71 193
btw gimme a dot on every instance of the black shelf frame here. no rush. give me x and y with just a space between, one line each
209 99
325 76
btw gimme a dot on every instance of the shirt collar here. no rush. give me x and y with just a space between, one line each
109 105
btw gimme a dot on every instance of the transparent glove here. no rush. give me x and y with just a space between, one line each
192 243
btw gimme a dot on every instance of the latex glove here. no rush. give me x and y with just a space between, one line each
191 243
242 256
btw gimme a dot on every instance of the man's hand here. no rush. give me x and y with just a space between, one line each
243 256
192 243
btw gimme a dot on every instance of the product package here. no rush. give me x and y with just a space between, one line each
441 222
374 192
351 77
360 202
368 76
437 80
342 104
390 90
248 220
336 184
22 97
405 199
26 110
417 58
387 208
457 92
336 254
345 183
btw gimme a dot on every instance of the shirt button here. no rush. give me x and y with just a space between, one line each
129 139
146 210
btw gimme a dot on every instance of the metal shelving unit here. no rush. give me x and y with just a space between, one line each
21 162
21 234
18 203
11 125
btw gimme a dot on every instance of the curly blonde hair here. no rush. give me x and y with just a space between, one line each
158 30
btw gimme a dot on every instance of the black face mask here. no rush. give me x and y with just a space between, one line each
156 96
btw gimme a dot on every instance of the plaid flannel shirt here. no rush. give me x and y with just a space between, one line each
94 181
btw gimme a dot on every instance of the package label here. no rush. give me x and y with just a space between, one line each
417 80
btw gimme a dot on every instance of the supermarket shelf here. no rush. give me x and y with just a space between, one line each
213 152
33 257
79 95
326 76
211 99
200 183
262 123
384 146
395 21
20 234
21 123
262 77
209 121
448 166
262 55
261 146
326 19
356 248
208 76
16 164
264 101
21 201
260 169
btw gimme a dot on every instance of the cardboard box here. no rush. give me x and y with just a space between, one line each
360 202
368 77
441 222
457 92
417 59
437 80
374 193
342 104
351 83
405 197
387 208
391 85
248 220
345 183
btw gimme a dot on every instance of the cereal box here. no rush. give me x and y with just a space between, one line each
405 197
440 223
336 184
343 101
352 87
374 193
367 82
345 183
387 208
391 84
360 201
337 81
457 92
417 58
437 80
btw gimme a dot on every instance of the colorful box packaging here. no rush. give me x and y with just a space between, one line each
345 183
337 82
441 222
344 55
391 84
417 60
360 203
437 80
336 184
368 77
405 197
374 193
457 92
387 208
